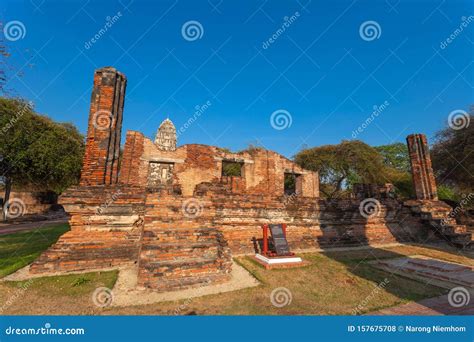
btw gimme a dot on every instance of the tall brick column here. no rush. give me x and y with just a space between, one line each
130 165
421 170
101 159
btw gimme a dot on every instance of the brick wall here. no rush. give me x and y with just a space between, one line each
311 223
262 171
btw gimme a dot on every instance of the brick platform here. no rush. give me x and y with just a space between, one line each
178 252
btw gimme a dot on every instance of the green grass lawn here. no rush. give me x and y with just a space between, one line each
71 285
19 249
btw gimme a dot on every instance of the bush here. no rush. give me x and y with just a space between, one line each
447 193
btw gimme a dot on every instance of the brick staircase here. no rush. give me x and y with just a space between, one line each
178 252
436 214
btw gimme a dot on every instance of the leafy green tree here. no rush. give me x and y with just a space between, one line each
453 157
397 162
395 156
342 165
36 152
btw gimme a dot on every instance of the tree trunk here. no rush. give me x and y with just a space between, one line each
8 189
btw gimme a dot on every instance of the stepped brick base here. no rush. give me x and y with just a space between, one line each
178 251
438 216
182 269
106 225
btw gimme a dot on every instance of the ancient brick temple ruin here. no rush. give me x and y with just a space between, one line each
177 214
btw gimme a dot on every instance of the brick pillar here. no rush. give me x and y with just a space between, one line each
101 159
421 170
131 159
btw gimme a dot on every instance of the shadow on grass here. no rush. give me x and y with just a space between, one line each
358 263
19 249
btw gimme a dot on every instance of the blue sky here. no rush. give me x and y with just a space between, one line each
322 71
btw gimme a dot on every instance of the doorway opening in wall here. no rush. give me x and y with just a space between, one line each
232 168
292 184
